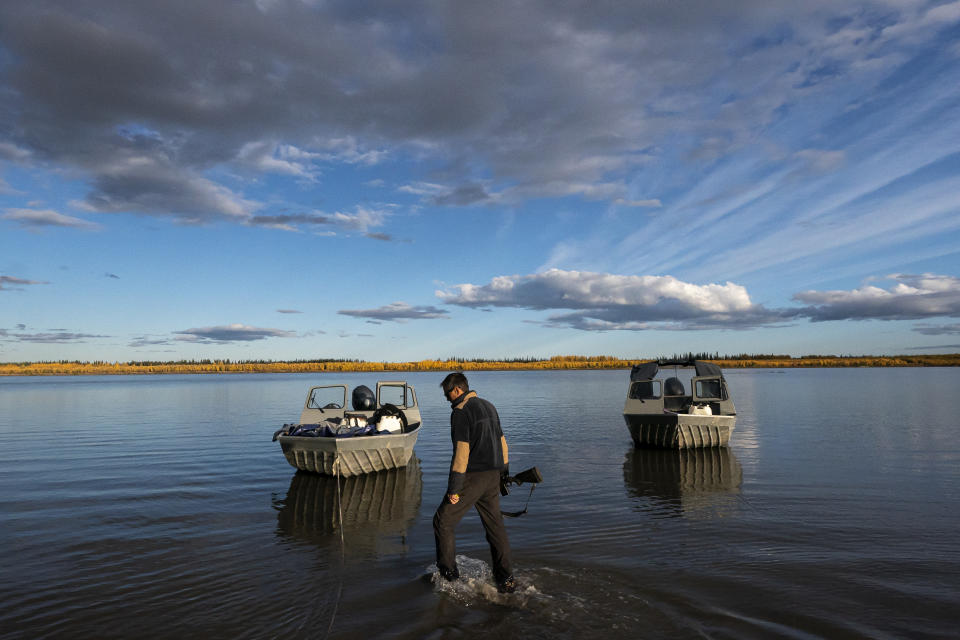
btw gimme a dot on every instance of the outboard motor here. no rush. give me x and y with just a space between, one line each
673 387
364 399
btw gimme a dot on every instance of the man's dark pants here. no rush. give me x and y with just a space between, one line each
482 490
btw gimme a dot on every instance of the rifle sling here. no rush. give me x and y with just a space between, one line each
517 514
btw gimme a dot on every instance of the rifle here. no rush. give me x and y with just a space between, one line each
531 476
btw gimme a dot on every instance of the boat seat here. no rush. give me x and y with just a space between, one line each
674 396
673 387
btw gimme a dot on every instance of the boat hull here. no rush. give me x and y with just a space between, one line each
680 431
349 456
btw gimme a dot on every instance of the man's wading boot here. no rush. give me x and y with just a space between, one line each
450 574
507 585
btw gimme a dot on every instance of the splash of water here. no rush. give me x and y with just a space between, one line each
476 584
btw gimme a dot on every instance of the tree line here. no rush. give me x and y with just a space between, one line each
454 363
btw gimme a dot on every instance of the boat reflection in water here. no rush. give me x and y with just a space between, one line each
687 482
377 509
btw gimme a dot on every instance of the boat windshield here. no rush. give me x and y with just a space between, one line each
710 389
395 394
645 389
327 397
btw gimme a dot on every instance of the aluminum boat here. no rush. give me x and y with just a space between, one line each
660 412
379 433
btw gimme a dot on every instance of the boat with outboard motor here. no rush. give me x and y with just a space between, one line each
659 412
378 434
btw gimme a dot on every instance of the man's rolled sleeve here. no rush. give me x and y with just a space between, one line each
455 483
458 467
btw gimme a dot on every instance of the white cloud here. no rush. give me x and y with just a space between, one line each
397 312
602 301
938 329
13 153
270 157
152 185
910 297
231 333
50 337
10 282
821 161
580 290
918 26
423 189
653 203
348 149
361 219
37 218
149 341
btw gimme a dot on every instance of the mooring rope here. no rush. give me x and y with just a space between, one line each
336 604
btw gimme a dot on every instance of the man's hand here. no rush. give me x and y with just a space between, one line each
453 498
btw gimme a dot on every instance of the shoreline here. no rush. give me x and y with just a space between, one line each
557 363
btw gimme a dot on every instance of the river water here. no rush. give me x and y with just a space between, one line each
158 507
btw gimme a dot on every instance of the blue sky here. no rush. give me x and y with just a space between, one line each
280 179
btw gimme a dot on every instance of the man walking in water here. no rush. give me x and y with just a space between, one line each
479 459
